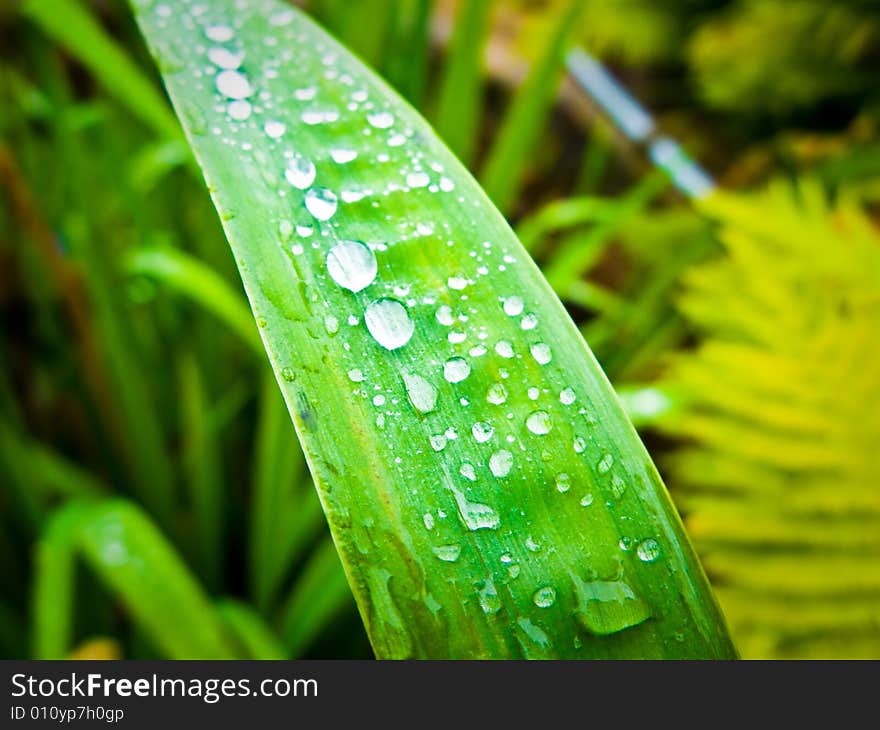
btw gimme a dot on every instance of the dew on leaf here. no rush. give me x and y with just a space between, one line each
513 306
447 553
456 369
321 203
352 265
482 431
500 463
380 120
421 393
541 352
538 422
233 85
389 323
300 173
497 394
544 597
648 550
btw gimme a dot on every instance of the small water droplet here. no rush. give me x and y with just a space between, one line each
618 487
482 431
331 324
421 393
239 110
456 369
300 173
355 375
531 545
288 374
489 600
306 94
428 519
513 306
579 444
448 553
538 423
605 464
233 85
648 550
544 597
438 442
389 323
218 33
587 500
342 156
567 396
500 463
541 352
504 349
497 394
563 482
529 322
379 400
352 265
533 393
224 58
477 351
457 282
444 315
321 203
274 129
380 120
417 179
468 472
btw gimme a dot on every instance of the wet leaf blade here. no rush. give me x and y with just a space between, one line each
465 528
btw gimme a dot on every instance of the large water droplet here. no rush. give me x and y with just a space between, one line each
352 265
504 349
342 156
538 423
606 607
497 394
513 306
224 58
447 553
233 85
380 120
218 33
321 203
421 393
456 369
648 550
500 463
239 109
541 352
476 516
544 597
482 431
444 315
389 323
567 396
300 172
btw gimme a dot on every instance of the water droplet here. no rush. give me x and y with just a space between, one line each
567 396
218 33
306 94
448 553
446 185
321 203
428 519
477 351
513 306
389 323
533 393
288 374
606 607
274 129
331 324
456 282
648 550
352 265
417 179
380 120
489 600
444 315
541 352
476 516
618 487
300 172
341 156
455 337
239 110
504 349
500 463
529 322
497 394
513 571
535 633
587 500
224 58
438 442
355 375
625 543
456 369
482 431
468 472
544 597
233 85
579 444
421 393
538 423
605 464
563 482
379 400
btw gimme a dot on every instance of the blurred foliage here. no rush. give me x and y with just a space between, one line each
741 332
778 413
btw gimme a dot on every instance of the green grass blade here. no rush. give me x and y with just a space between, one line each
69 24
137 564
406 67
529 523
193 279
249 629
509 156
459 108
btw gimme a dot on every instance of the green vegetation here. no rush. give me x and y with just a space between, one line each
154 499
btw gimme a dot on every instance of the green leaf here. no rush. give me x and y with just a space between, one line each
485 491
136 563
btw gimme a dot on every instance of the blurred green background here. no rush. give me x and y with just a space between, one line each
153 499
